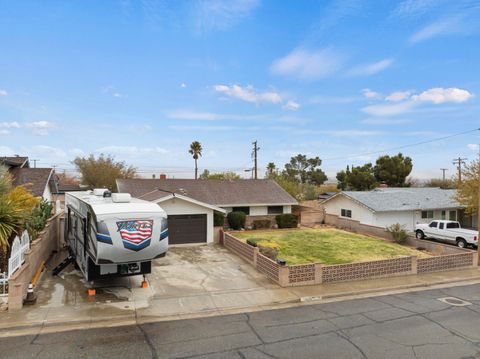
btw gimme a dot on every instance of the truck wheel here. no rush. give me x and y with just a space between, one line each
461 243
419 235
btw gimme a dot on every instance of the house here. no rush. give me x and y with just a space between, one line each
41 182
383 207
190 204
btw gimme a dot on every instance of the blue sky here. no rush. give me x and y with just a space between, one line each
336 79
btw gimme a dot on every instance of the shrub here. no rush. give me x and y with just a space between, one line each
218 219
398 232
262 224
236 219
38 220
287 220
269 251
252 242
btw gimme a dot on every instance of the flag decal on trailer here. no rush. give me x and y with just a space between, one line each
136 234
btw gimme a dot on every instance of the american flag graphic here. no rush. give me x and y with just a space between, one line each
135 233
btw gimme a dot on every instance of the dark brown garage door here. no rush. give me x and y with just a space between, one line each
189 228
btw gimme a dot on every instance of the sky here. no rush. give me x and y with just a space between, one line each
343 80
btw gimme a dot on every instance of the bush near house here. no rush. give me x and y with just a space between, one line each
38 220
218 219
398 232
262 224
236 220
287 220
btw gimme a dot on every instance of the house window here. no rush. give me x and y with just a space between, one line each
444 214
452 215
427 214
245 210
346 213
275 210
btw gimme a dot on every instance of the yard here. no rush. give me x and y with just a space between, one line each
327 245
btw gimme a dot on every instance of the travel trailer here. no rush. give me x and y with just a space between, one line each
113 234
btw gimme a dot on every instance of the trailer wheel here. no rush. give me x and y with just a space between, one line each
419 235
461 243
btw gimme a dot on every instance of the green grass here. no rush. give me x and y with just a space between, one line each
327 245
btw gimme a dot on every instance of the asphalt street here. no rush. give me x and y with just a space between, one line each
408 325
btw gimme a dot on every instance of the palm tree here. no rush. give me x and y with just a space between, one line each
195 151
271 169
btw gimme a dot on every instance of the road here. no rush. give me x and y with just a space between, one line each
408 325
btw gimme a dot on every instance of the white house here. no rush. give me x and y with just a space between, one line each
190 204
383 207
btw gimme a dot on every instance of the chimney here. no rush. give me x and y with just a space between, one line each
383 185
163 176
153 176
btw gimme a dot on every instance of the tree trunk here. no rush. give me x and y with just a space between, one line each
196 169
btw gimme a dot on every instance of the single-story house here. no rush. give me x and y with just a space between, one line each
41 182
383 207
190 204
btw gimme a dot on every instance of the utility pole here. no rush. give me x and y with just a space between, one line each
254 155
443 170
459 162
34 163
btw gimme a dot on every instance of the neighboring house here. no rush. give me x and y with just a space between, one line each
190 204
383 207
41 182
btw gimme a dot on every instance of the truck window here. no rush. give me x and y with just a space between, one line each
453 225
441 225
433 224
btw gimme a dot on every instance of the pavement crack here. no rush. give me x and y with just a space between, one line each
148 341
253 329
343 335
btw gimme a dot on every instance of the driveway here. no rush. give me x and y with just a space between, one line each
193 280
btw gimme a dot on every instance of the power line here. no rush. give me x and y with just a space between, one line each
399 147
459 162
254 155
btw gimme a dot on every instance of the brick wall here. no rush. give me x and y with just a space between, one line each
241 248
40 250
268 267
446 262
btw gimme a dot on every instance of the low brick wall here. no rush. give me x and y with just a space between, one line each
355 226
40 250
315 273
447 262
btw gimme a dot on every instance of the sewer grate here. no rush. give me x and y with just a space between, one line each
454 301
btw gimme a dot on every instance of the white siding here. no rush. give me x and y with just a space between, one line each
359 212
47 194
386 219
287 209
179 206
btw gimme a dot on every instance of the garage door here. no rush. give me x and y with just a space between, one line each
189 228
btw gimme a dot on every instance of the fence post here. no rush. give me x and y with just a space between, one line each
15 296
474 259
255 254
318 273
414 264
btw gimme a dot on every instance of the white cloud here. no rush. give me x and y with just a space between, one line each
210 116
473 147
398 96
352 133
414 7
371 94
4 132
248 94
291 105
440 95
6 151
443 27
13 124
370 69
384 121
3 93
222 14
183 85
45 151
40 128
308 65
388 110
112 91
132 151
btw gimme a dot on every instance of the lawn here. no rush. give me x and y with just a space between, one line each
327 245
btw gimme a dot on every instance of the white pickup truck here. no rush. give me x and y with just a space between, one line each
448 231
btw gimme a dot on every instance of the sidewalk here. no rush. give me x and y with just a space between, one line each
141 305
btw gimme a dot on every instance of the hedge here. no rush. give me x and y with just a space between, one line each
287 220
262 224
236 220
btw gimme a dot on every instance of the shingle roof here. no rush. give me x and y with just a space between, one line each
404 199
216 192
34 179
14 161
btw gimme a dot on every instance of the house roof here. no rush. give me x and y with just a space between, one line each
34 179
217 192
403 199
188 199
14 161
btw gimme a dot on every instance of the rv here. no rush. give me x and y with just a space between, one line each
113 234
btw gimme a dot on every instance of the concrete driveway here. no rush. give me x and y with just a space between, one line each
193 280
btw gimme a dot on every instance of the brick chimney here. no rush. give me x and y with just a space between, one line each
163 176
